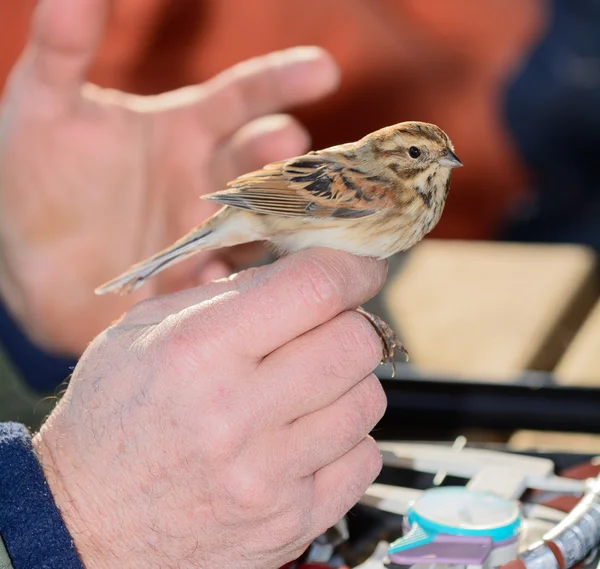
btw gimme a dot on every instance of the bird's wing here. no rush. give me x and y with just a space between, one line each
314 185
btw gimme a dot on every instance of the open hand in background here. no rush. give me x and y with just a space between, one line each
93 180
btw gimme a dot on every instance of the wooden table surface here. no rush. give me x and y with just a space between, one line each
491 309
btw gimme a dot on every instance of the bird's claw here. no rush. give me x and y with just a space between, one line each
389 340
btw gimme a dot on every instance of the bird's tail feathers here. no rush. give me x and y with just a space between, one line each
218 231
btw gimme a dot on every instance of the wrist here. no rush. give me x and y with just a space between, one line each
78 521
107 528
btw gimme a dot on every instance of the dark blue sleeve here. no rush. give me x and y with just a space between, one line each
41 371
30 523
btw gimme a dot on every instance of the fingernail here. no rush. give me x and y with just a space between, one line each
306 53
274 122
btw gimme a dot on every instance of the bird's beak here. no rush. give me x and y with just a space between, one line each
450 160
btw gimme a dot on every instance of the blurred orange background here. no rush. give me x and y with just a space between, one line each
431 60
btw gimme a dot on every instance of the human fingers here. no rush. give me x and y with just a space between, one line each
319 367
262 86
259 142
318 439
62 44
294 295
339 486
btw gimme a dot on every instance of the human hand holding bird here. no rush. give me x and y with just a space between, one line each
374 197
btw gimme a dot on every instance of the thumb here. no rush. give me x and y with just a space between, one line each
63 40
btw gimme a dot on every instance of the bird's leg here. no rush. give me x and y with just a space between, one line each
388 338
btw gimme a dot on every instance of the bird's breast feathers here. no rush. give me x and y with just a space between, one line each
379 236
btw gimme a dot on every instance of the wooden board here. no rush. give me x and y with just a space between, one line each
489 309
555 442
581 363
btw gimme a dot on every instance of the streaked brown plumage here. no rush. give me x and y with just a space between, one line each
374 197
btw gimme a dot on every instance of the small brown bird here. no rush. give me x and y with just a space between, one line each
374 197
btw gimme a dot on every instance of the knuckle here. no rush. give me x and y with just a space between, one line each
222 437
349 425
373 461
186 342
142 310
358 276
361 276
360 475
249 491
292 526
179 333
358 340
367 406
375 399
359 412
354 349
368 468
322 283
177 344
370 340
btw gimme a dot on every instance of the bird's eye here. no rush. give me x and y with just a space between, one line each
414 152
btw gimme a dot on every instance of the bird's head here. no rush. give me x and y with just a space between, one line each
417 146
419 156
